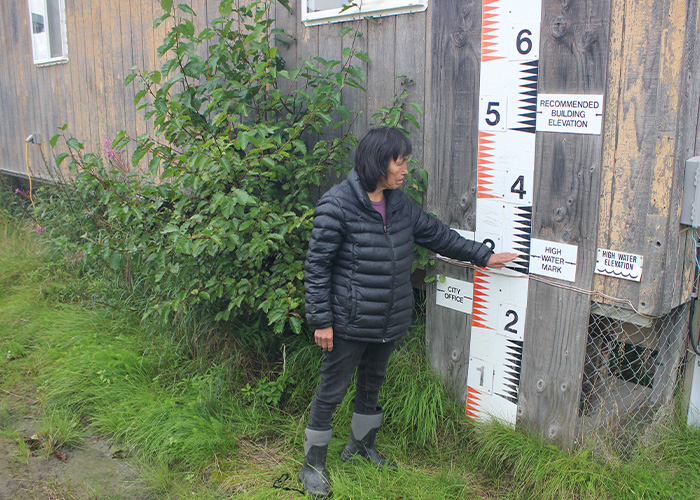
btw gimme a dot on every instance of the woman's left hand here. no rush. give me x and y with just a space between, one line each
499 260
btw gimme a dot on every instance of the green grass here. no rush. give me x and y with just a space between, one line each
177 401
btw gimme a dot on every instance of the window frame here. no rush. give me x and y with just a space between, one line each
379 9
47 61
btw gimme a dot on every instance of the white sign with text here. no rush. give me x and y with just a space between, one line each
570 113
623 265
552 259
455 294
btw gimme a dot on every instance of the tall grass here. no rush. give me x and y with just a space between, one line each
20 251
190 403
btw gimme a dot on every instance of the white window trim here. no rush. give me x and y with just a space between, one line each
64 39
379 9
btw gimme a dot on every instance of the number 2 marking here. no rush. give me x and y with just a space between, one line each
509 327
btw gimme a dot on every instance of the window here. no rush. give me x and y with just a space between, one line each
334 11
47 21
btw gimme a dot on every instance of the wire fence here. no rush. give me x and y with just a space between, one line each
631 373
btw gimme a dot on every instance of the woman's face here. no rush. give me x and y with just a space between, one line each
395 175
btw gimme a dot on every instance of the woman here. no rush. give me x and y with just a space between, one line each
359 298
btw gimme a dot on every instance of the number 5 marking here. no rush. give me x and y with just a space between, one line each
491 110
492 113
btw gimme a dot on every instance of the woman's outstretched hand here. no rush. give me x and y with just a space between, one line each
499 260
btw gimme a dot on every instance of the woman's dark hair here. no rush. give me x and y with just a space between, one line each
374 152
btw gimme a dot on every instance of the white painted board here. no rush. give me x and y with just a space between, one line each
622 265
570 113
694 408
553 259
455 294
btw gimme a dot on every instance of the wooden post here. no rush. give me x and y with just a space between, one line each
451 148
573 60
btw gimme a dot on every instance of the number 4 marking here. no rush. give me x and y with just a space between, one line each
518 187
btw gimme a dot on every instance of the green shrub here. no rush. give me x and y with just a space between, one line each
220 220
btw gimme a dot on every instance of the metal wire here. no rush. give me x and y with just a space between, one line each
631 371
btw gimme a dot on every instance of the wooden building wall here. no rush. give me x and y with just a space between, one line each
652 98
87 93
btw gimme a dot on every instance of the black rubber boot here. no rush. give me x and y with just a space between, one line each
313 473
363 432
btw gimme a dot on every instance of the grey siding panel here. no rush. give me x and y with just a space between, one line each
451 152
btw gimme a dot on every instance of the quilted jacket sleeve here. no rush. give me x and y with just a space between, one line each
432 234
327 235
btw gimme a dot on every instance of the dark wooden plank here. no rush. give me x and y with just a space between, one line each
96 67
452 97
573 59
139 25
410 60
86 105
113 75
448 335
11 95
681 262
451 104
381 73
77 60
330 48
290 22
356 99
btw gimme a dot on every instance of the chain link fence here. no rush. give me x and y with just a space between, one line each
632 368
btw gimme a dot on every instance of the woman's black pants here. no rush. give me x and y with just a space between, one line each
370 359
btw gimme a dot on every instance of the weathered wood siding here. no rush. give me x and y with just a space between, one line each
452 104
87 93
650 130
396 45
573 60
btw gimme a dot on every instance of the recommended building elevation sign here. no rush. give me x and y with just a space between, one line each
570 113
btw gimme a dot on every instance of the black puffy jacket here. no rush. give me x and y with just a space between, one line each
357 272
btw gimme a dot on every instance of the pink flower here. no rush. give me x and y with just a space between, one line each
39 230
111 152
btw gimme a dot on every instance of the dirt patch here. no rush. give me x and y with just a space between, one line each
93 470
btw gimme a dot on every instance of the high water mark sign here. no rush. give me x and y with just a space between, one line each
570 113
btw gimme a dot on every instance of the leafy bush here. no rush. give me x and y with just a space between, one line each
221 218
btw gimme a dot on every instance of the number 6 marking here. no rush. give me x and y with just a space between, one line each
522 40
